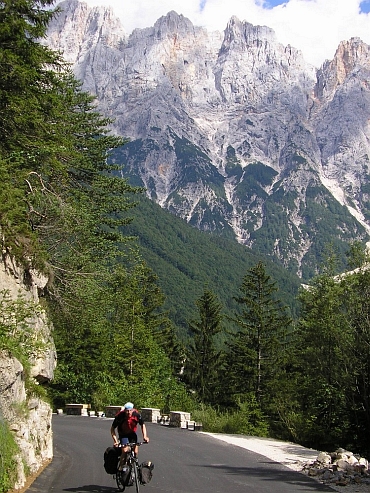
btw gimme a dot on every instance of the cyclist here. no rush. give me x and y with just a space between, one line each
126 422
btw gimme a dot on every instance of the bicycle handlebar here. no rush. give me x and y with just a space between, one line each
132 444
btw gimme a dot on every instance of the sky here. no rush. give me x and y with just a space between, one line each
316 27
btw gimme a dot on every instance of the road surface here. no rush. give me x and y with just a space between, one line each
184 462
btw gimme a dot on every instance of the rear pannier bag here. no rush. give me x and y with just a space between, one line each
111 457
146 472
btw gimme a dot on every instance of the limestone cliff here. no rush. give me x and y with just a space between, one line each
28 416
234 132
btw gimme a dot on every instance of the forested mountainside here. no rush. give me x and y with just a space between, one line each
187 261
232 131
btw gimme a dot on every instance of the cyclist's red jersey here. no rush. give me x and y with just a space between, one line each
127 424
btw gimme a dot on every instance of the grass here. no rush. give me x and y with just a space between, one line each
8 463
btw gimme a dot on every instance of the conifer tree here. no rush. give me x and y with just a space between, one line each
322 343
60 192
25 113
202 366
256 350
356 302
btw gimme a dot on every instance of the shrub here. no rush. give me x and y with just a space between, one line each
247 419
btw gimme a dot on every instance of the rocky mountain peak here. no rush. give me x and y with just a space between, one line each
245 35
81 28
248 32
172 23
234 132
350 56
252 64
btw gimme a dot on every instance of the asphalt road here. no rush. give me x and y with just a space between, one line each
184 462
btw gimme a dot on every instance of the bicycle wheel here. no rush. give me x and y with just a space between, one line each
136 476
121 480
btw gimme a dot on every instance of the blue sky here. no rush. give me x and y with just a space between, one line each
316 27
273 3
365 6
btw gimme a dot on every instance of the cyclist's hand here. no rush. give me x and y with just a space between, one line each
146 439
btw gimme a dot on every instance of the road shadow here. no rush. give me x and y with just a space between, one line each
276 474
92 488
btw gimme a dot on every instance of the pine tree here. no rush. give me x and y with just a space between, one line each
256 351
25 113
322 343
60 192
202 366
356 303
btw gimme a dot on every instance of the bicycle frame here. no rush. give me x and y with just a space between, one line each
132 462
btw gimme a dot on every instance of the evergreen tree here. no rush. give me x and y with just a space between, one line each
60 194
202 366
356 301
29 74
134 357
171 345
256 352
25 79
323 358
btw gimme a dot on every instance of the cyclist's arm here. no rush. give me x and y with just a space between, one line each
114 436
143 430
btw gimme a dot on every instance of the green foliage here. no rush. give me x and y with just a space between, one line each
202 363
8 463
323 393
60 193
185 260
325 222
17 328
323 358
357 305
25 111
286 419
247 419
257 351
256 176
233 166
356 255
111 348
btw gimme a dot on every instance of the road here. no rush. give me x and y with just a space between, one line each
184 462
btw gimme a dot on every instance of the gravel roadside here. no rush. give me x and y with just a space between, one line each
289 454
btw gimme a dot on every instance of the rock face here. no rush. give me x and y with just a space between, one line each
28 417
233 131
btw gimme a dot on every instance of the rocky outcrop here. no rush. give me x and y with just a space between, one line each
233 131
27 416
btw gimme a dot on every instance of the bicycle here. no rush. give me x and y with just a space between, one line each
130 476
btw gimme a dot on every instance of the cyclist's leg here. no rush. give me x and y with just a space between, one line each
122 461
133 439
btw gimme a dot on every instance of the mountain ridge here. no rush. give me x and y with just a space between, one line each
234 132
